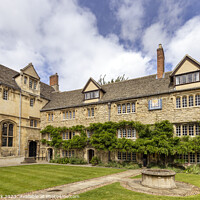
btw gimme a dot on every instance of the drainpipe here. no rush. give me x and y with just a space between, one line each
20 108
109 109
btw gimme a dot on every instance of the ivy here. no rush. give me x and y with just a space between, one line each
157 138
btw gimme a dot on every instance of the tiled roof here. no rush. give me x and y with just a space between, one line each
6 78
133 88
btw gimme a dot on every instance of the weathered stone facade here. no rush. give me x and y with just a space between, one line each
30 105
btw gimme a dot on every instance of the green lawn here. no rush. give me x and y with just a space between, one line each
116 192
21 179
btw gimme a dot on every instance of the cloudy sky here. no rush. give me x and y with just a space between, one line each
79 39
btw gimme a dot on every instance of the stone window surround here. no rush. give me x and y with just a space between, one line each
126 133
50 116
189 97
126 108
33 123
5 94
193 129
8 123
128 156
68 153
90 112
68 135
68 115
193 158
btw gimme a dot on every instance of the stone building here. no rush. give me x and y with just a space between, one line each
173 96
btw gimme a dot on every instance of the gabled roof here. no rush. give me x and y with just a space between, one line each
7 78
186 57
128 89
95 83
28 67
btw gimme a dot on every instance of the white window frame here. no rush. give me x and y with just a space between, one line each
5 94
191 101
178 102
119 109
191 130
178 130
184 101
184 129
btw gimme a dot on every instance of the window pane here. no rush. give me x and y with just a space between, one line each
128 156
123 156
88 112
134 157
4 131
70 114
177 80
185 130
191 130
10 141
119 155
133 133
35 123
74 114
178 102
192 158
119 133
129 133
197 129
128 108
197 100
133 107
124 132
184 102
119 109
178 130
190 78
10 133
123 108
31 123
191 102
4 141
96 94
92 111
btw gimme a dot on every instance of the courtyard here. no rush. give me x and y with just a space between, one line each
82 182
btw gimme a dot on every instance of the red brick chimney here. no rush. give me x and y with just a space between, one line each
53 79
160 62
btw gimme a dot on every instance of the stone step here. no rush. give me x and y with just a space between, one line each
29 160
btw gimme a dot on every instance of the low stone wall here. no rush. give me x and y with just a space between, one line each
11 160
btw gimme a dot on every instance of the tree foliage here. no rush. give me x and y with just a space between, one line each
157 138
102 80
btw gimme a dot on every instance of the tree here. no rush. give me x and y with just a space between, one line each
104 136
102 80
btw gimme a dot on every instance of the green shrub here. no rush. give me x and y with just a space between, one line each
95 161
77 161
127 165
193 169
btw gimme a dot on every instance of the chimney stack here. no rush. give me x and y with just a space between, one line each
53 79
160 62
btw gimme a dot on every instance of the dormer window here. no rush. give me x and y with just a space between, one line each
187 78
92 95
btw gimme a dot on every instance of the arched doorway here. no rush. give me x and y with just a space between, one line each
90 155
32 149
50 154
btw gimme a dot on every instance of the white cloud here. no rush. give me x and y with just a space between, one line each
185 41
130 15
59 36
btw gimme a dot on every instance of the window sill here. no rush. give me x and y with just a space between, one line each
126 113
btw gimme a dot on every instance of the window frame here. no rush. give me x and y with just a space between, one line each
95 94
9 137
5 94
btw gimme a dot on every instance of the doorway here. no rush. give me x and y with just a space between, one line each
144 160
50 154
32 149
90 155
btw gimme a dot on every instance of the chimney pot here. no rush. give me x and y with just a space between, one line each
160 62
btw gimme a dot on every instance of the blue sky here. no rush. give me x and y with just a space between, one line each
79 39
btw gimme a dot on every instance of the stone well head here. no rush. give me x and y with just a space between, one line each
158 178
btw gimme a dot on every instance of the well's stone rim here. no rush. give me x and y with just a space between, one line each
158 172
